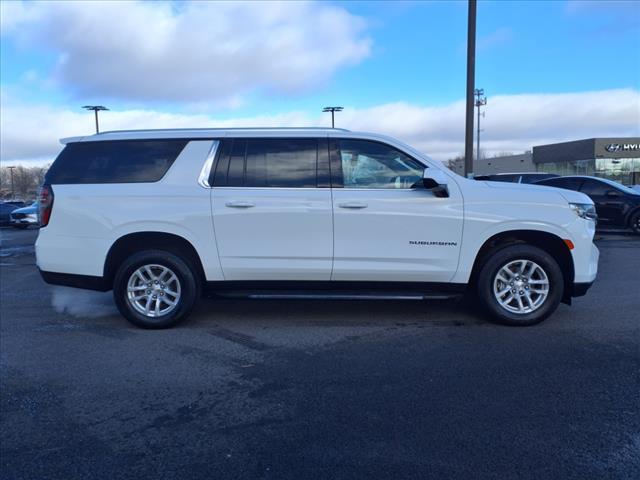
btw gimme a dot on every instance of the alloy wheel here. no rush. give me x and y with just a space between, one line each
153 290
521 286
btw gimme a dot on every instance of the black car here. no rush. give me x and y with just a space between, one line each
617 205
6 208
525 177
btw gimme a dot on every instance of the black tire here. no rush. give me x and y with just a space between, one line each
188 286
502 257
634 222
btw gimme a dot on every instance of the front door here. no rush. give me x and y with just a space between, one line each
387 226
272 209
610 207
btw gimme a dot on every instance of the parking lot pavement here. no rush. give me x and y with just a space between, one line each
318 389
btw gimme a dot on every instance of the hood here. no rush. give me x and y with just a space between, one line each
571 196
26 210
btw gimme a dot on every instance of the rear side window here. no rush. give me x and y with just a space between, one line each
594 187
129 161
505 178
566 183
269 163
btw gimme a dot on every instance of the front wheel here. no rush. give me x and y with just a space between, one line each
520 285
155 289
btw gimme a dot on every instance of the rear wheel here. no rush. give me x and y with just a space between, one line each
155 289
635 222
520 285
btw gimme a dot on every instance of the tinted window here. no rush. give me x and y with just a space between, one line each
269 163
567 183
534 177
594 187
114 162
279 162
367 164
506 178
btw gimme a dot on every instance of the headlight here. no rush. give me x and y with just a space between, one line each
585 210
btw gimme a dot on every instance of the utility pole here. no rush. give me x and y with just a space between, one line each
471 75
96 109
332 110
480 101
12 192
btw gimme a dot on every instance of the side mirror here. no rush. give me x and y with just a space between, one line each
436 181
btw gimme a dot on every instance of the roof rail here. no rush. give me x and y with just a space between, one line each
219 128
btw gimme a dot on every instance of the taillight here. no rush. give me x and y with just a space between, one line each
45 205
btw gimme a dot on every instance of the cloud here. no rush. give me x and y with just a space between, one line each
191 51
513 123
495 38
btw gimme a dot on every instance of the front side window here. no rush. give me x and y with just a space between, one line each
367 164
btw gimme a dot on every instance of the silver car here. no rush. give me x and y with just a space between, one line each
24 217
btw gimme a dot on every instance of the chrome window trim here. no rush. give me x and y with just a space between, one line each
203 178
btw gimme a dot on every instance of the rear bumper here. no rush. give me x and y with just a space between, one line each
86 282
580 289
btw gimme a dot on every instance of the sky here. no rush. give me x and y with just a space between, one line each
551 70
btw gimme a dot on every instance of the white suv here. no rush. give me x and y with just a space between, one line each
160 216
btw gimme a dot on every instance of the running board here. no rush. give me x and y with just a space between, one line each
338 296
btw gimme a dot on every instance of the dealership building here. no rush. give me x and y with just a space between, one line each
614 158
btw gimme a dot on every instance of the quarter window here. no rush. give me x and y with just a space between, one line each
367 164
122 161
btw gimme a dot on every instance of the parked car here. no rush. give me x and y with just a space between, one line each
527 177
160 215
617 205
25 216
5 210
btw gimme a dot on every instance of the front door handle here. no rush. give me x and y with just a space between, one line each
240 204
353 205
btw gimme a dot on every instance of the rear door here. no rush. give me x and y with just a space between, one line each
272 212
386 228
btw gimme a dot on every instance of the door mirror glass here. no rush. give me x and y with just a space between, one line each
436 181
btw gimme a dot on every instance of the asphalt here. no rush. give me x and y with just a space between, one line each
271 389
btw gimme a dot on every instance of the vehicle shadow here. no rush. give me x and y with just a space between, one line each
334 313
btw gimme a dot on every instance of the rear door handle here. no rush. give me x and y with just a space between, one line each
240 204
353 205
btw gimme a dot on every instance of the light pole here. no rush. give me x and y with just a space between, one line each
480 101
471 78
96 109
332 110
12 193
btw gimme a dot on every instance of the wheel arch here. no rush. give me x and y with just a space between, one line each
549 242
132 243
630 214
